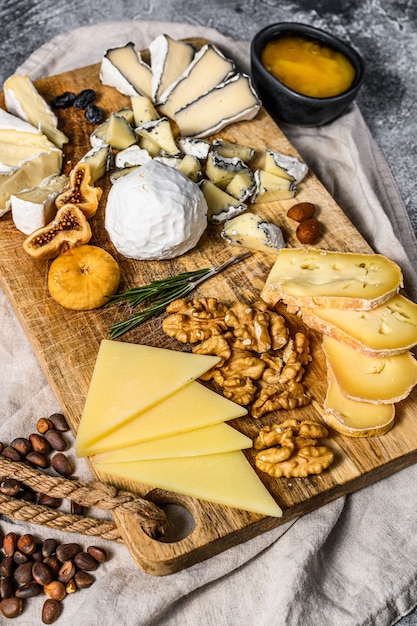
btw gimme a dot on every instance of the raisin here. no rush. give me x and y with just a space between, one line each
93 113
84 98
63 100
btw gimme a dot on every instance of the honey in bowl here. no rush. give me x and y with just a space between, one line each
308 66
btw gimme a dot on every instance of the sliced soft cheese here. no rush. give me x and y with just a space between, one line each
160 132
242 185
128 379
30 174
133 155
221 205
198 148
271 188
23 99
227 479
209 440
169 59
234 100
12 155
190 166
372 379
355 418
221 170
119 133
312 277
11 122
251 231
388 329
143 110
35 207
285 165
123 68
208 68
229 150
176 414
100 160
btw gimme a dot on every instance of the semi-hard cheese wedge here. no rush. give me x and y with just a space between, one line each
226 479
128 379
272 188
312 277
389 329
192 407
208 68
285 165
234 100
355 418
123 68
372 379
221 205
169 59
23 99
209 440
251 231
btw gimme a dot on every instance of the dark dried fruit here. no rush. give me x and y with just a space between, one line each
43 424
9 543
84 98
23 573
63 100
93 114
39 443
7 566
38 459
11 453
67 572
51 610
45 500
49 546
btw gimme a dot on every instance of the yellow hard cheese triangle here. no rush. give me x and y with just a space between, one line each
128 379
193 406
210 440
227 479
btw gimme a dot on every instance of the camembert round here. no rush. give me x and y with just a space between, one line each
154 213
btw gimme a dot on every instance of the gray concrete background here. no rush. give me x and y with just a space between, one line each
383 31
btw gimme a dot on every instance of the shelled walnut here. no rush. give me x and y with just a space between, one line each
261 365
292 449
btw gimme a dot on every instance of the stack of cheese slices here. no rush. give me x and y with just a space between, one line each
146 419
368 331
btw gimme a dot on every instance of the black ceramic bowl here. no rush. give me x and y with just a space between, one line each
285 104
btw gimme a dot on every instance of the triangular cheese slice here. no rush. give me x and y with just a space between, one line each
210 440
130 378
227 479
193 406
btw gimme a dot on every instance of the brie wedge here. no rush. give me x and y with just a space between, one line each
169 59
34 208
123 68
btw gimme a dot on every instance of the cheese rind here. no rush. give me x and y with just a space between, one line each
226 479
213 439
35 207
285 165
176 414
355 418
312 277
169 59
388 329
128 379
160 132
23 99
122 67
271 188
221 205
234 100
372 379
208 68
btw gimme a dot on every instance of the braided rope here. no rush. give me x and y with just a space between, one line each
95 494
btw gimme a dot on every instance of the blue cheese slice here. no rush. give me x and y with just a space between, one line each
123 68
208 68
23 100
169 59
221 205
233 100
251 231
285 166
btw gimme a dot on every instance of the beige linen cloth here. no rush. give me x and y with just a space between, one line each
351 562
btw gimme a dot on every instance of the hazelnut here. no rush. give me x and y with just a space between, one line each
308 231
10 487
85 562
29 590
26 543
301 211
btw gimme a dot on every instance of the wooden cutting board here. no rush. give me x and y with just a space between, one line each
66 344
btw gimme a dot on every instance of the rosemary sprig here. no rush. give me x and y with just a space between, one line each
161 293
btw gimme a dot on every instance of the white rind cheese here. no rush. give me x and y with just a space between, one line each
34 208
143 110
285 165
221 170
234 100
208 68
198 148
23 100
123 68
160 132
10 122
221 205
133 155
272 188
169 59
100 160
229 150
155 212
251 231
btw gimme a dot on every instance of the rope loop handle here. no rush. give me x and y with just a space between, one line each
95 494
